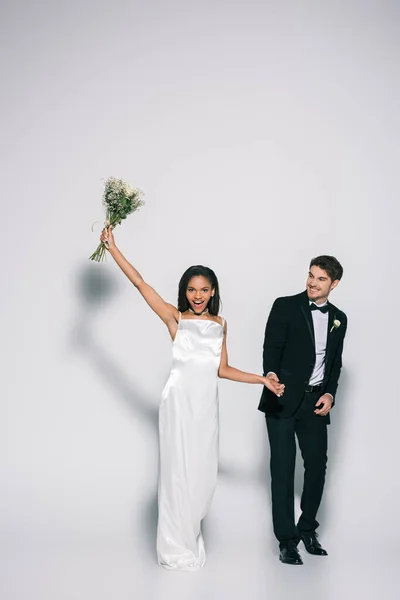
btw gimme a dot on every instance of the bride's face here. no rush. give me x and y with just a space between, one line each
198 293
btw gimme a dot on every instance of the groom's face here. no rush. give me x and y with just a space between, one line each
319 285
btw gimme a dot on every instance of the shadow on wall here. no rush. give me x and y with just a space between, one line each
96 288
335 442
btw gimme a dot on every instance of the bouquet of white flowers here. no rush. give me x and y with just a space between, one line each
120 200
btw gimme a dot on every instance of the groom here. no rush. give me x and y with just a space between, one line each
303 349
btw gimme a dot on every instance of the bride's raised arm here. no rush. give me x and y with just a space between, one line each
168 313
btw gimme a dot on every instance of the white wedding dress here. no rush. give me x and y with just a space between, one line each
188 427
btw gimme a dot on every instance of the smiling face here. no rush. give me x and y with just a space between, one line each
319 285
198 293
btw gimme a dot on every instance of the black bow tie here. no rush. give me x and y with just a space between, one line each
324 309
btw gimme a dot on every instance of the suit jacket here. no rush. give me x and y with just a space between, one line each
289 351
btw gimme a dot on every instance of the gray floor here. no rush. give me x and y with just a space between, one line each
119 563
108 569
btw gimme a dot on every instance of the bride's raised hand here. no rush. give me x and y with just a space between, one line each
107 237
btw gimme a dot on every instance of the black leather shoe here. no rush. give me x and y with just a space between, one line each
290 556
312 544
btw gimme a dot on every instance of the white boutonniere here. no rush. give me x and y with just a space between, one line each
336 324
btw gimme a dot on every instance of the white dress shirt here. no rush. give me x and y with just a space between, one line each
320 321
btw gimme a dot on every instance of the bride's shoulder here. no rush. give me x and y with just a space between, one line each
221 320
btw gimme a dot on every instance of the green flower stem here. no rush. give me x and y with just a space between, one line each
99 254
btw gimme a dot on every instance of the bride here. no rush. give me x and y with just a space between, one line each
188 414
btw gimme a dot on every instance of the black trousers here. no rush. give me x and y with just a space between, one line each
311 432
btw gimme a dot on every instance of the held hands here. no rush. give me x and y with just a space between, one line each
107 237
324 405
272 383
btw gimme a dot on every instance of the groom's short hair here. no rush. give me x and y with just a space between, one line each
330 264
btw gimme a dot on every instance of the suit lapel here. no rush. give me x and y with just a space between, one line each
305 309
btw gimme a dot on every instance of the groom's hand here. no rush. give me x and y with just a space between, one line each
273 384
324 405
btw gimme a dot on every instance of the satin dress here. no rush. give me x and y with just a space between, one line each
188 429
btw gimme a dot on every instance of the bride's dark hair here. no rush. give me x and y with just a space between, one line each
195 271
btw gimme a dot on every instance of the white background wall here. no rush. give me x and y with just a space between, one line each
263 133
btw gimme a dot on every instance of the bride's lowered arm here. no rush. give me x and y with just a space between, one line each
227 372
168 313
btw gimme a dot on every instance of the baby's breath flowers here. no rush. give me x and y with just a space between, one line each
120 199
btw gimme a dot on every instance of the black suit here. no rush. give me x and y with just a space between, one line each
289 351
